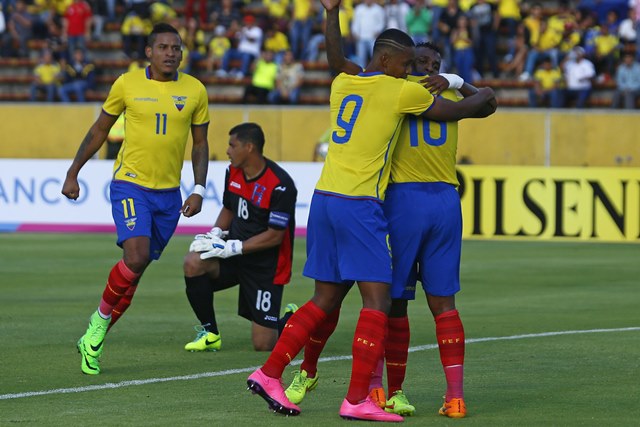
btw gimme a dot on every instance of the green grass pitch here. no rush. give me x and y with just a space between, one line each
553 331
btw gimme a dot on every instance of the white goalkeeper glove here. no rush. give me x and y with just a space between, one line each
214 232
204 244
229 249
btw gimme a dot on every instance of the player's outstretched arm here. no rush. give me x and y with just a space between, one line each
333 41
200 162
93 140
447 111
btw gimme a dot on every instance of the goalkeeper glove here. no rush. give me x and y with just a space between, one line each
204 244
230 248
214 232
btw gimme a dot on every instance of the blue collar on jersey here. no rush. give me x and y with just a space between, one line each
372 73
147 72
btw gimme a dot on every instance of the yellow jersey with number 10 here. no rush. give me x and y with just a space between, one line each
158 119
366 113
426 150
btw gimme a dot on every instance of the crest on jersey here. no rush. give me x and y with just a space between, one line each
130 223
179 101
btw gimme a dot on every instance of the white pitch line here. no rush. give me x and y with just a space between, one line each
294 363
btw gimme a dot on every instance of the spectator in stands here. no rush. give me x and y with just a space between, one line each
277 11
19 26
437 7
195 41
134 32
606 53
627 31
263 80
161 12
301 27
100 12
547 45
225 13
367 23
78 76
534 23
570 38
218 45
395 15
627 83
45 77
484 24
247 50
547 86
276 41
509 18
447 22
635 4
137 62
579 73
463 48
76 26
288 81
516 65
202 11
418 21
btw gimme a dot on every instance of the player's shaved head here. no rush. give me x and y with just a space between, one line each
393 39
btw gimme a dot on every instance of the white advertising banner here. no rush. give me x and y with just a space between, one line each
31 198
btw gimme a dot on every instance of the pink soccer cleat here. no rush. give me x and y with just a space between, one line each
271 390
367 411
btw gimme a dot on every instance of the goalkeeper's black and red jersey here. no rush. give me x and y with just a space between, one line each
266 201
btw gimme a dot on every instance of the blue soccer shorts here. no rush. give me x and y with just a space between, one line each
425 229
142 212
347 241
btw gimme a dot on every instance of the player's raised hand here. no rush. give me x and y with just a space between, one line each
330 4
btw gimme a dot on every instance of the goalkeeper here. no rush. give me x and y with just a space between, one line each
251 245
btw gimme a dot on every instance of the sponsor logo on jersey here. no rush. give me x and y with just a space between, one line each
130 223
131 175
146 99
179 101
271 318
234 184
280 188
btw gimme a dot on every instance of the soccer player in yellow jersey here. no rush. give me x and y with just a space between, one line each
426 240
161 106
347 237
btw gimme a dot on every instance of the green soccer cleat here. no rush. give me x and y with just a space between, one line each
205 341
399 404
89 365
300 385
92 341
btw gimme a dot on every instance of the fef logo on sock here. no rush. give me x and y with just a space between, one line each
179 101
365 342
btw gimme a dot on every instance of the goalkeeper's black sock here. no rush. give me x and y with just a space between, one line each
200 295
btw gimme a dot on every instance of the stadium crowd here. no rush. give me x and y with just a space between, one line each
559 49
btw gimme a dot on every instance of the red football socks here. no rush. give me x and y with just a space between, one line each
397 352
367 349
119 281
450 335
317 340
294 336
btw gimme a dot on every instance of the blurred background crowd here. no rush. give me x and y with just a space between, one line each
558 51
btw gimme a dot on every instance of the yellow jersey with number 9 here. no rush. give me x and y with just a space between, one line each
426 150
158 119
366 113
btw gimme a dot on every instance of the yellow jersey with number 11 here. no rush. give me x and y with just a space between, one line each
366 113
158 119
